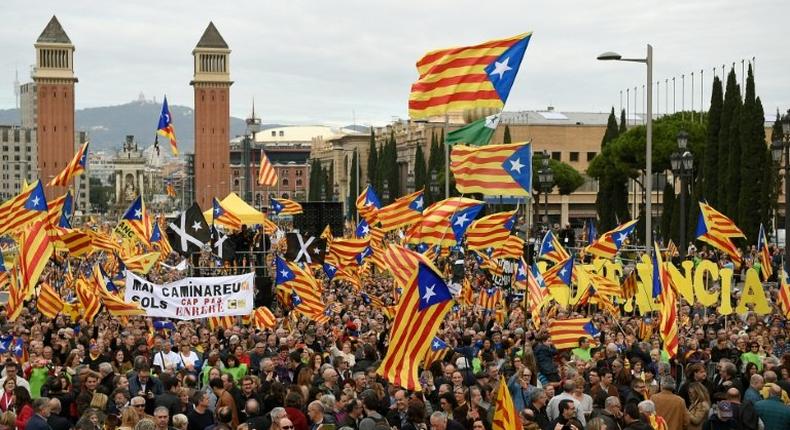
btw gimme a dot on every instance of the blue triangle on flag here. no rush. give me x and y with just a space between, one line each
431 287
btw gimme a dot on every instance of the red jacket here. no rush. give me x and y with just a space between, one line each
23 416
297 417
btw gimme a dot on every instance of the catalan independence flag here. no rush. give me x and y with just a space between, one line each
784 294
438 351
60 207
505 415
49 302
88 299
25 208
456 79
444 223
425 301
224 217
610 242
267 176
304 288
285 207
560 274
662 288
717 229
551 249
536 293
343 251
34 252
565 334
404 211
368 204
136 217
504 169
490 231
513 248
76 166
165 127
765 254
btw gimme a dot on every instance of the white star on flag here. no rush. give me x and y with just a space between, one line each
501 67
138 213
429 293
217 210
622 237
461 220
521 271
563 271
436 344
365 230
196 226
284 273
36 200
516 165
418 203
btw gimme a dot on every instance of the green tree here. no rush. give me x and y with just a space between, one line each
316 179
603 205
420 170
710 168
732 100
390 161
506 137
753 150
623 123
667 211
373 160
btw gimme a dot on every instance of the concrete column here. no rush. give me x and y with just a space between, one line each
118 187
564 201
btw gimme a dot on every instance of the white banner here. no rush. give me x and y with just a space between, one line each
191 298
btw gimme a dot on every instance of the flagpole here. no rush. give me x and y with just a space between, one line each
446 159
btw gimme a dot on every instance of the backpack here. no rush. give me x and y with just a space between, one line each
379 424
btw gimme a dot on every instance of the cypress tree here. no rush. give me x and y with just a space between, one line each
420 170
315 181
373 161
506 137
734 163
752 151
776 130
710 168
382 169
667 210
732 99
431 168
623 127
608 184
352 190
393 176
674 223
693 211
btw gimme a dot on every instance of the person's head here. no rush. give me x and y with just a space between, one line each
129 417
143 424
538 397
774 391
161 416
612 405
99 401
252 408
596 423
224 415
216 384
105 369
285 424
200 399
438 421
247 385
22 397
647 407
41 406
569 386
9 385
668 383
567 408
638 385
401 400
584 343
756 382
180 421
138 404
55 406
315 410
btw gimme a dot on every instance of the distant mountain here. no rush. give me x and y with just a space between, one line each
108 125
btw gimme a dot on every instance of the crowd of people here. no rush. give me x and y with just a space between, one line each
730 373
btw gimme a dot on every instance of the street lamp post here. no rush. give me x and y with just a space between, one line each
648 61
253 126
546 183
385 192
434 186
410 183
682 162
779 147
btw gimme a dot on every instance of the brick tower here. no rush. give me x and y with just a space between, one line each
212 117
54 79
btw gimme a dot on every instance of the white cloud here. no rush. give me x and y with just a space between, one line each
320 61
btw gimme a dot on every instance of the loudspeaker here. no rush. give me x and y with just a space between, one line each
263 288
317 215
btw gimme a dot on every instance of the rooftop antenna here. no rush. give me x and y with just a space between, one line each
16 88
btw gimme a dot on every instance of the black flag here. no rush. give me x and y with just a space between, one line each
310 250
189 231
222 245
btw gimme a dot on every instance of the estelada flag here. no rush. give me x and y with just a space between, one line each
504 169
457 79
267 176
76 166
165 127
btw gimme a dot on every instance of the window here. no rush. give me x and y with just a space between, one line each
574 156
298 173
285 182
298 182
274 133
590 156
556 156
282 133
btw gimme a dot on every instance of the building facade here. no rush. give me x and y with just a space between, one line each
53 116
211 82
17 159
337 153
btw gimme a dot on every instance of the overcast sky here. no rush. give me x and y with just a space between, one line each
323 61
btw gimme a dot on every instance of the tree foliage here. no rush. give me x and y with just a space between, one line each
420 170
352 189
710 169
729 147
506 136
373 160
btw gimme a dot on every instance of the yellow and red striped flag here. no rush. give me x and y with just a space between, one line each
610 242
305 297
170 189
49 302
566 333
285 207
512 248
27 207
165 127
118 307
765 254
658 422
504 169
9 209
603 285
344 251
551 249
77 242
160 240
75 167
466 297
59 207
784 294
142 264
225 217
103 242
225 322
536 293
505 415
263 318
716 229
444 223
368 205
488 298
663 288
266 174
404 211
437 352
327 234
88 299
34 252
425 301
137 220
629 286
457 79
490 231
16 296
671 250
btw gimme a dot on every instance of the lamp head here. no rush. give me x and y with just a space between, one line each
610 56
776 150
683 140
